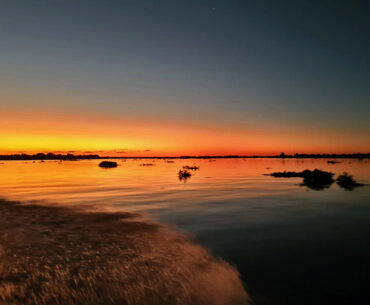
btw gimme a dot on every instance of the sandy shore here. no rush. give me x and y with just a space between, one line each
56 255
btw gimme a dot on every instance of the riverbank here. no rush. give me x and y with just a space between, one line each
59 255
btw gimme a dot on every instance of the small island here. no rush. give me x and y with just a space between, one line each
108 164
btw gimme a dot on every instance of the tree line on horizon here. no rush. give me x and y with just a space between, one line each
69 156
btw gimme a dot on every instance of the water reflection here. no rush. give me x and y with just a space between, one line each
292 245
347 182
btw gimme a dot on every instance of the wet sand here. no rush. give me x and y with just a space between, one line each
59 255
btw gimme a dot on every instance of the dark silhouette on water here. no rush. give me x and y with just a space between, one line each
347 182
184 175
147 164
333 162
194 167
319 180
108 164
316 179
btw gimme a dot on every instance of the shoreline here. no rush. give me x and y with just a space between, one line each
70 157
60 255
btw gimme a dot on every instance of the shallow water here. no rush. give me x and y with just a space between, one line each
292 245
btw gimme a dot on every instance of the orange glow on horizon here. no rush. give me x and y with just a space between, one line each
114 136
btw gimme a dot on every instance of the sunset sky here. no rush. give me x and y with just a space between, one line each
184 77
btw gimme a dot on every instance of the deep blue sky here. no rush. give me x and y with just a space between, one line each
275 64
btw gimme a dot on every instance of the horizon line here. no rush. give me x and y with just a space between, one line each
70 156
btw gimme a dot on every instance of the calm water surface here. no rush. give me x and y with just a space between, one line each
291 244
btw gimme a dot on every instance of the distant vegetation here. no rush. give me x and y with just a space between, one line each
303 174
283 156
52 156
319 180
347 182
194 167
108 164
184 174
316 179
324 156
48 156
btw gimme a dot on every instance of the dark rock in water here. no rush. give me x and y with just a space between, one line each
347 182
316 179
108 164
333 162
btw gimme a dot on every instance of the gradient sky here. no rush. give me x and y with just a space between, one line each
184 77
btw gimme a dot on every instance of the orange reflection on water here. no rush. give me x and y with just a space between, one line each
134 187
